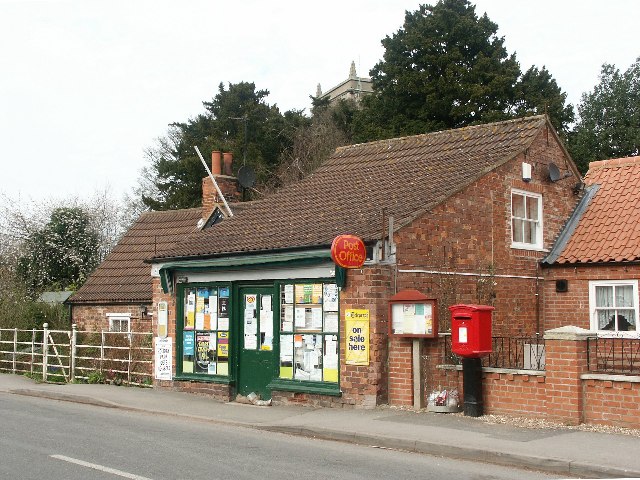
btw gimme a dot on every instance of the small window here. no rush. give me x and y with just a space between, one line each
526 220
614 306
119 322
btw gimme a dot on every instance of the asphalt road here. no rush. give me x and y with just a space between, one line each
48 439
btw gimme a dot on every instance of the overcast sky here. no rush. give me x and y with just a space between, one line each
87 85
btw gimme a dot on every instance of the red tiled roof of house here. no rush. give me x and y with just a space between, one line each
609 228
123 276
405 176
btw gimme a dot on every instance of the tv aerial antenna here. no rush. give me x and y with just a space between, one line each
215 184
246 173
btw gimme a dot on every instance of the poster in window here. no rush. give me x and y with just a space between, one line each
211 313
330 360
331 322
316 318
223 307
287 319
223 292
191 311
299 293
188 343
286 356
223 324
316 293
330 297
212 370
223 345
288 294
203 353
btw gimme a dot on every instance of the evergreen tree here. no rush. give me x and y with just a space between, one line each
537 92
447 68
609 118
237 119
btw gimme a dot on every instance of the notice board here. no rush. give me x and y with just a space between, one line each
412 314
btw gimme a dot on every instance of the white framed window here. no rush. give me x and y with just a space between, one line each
614 305
119 322
526 220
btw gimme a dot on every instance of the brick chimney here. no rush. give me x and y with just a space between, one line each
227 183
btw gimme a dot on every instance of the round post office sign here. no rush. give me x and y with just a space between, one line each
348 251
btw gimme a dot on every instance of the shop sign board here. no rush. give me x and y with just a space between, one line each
163 358
357 333
348 251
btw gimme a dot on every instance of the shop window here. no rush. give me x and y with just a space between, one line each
526 220
205 332
309 328
614 305
119 322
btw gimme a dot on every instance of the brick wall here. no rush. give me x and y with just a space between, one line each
565 392
572 307
612 400
94 317
367 288
460 252
227 183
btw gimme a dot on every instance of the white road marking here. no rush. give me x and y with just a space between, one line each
99 467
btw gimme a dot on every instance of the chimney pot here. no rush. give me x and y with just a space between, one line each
228 162
215 162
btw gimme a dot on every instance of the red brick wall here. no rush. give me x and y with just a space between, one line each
367 288
572 307
94 317
460 252
515 394
471 234
612 402
229 188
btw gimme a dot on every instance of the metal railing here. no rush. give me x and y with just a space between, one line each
614 355
73 355
515 353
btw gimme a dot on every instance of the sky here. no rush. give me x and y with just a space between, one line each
87 85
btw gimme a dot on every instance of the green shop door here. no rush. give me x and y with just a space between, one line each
257 362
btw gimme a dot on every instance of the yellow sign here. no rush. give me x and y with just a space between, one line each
357 337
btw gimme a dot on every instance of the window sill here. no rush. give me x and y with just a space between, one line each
203 378
528 247
613 334
321 388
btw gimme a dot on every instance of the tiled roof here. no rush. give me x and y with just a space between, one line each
406 176
608 229
123 276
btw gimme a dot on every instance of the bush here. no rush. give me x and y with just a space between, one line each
96 377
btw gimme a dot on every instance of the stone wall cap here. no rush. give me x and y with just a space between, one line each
568 332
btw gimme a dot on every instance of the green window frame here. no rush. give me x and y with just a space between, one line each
204 332
309 334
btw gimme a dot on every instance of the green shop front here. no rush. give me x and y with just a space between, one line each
257 324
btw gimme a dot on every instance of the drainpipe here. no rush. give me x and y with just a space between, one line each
537 298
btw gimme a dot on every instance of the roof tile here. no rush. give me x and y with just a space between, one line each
609 229
123 276
405 176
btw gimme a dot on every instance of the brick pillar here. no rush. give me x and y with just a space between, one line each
566 361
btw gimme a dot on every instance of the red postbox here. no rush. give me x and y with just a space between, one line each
471 330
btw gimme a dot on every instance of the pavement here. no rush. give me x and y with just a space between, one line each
565 452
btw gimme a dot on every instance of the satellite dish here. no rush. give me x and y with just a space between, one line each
246 176
554 172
